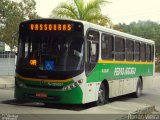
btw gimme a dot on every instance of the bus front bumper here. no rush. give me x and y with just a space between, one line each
73 96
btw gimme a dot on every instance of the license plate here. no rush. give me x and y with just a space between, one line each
41 95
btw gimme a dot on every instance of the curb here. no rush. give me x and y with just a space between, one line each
145 111
5 86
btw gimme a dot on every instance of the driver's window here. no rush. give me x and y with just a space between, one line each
93 35
93 43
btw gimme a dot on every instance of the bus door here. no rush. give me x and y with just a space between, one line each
92 49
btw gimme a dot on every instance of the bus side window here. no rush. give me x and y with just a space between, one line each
148 54
119 48
129 50
152 53
143 52
137 51
107 47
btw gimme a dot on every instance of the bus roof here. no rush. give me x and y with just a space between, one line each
88 25
118 33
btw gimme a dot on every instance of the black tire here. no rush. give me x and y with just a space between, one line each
102 95
51 104
138 92
20 101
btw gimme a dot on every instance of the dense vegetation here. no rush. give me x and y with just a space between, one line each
11 14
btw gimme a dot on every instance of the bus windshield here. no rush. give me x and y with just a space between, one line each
54 52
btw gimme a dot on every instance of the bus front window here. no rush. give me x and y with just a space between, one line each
51 53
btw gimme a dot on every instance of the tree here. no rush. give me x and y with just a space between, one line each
11 14
78 9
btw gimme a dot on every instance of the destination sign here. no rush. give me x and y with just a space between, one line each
50 27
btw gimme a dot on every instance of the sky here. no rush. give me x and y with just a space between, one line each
119 11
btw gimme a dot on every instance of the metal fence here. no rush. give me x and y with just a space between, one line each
7 63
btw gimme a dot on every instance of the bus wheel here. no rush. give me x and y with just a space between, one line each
102 96
138 92
19 101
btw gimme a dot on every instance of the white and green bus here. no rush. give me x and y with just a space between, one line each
77 62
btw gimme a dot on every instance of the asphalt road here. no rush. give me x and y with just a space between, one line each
117 107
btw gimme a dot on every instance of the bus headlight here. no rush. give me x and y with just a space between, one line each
73 85
20 84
